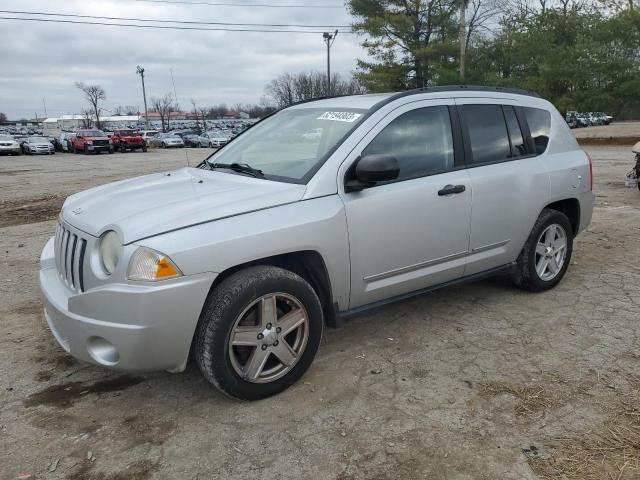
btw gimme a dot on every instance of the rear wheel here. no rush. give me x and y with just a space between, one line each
123 148
547 253
259 331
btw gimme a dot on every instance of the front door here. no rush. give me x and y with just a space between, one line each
413 232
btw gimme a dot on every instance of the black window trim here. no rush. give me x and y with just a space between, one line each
468 153
524 138
456 137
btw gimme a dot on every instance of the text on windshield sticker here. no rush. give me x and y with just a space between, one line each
340 116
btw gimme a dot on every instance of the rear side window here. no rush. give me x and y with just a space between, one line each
540 125
518 147
487 133
421 140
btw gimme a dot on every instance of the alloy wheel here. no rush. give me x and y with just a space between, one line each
268 338
551 252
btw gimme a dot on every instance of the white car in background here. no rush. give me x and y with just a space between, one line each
213 139
8 146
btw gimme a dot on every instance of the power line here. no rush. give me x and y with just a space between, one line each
163 27
183 22
260 5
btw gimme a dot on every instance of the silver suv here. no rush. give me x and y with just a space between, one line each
243 260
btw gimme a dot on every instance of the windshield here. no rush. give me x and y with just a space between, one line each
91 133
126 132
291 143
38 140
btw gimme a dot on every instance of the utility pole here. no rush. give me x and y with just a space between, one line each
463 38
140 71
329 38
44 104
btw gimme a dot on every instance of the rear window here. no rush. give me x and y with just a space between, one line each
539 125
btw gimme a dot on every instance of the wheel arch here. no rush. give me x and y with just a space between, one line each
571 208
309 264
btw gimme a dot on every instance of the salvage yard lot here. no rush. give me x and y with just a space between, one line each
451 385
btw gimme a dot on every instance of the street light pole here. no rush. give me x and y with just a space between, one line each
140 71
329 38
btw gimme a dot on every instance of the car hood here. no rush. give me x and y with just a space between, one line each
153 204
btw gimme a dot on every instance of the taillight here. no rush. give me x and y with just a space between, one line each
590 171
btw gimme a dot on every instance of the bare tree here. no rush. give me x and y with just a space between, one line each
87 118
3 117
291 88
93 94
163 106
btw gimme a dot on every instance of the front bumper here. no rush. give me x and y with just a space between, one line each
127 326
4 150
99 148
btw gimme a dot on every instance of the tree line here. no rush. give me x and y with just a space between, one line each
580 54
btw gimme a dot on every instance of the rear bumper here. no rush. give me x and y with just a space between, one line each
122 325
587 199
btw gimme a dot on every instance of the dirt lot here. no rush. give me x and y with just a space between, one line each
476 382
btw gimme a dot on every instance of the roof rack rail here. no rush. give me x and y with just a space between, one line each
472 88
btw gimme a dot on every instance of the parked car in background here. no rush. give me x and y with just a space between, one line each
166 140
9 146
91 141
191 140
213 139
242 261
147 134
127 139
38 146
65 141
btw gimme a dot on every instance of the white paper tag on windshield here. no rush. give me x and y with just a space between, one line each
348 117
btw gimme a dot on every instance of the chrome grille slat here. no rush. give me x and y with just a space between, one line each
69 249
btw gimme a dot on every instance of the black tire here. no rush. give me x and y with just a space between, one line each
86 150
111 150
526 275
144 149
164 145
222 308
123 148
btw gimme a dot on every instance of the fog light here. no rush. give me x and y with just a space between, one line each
102 351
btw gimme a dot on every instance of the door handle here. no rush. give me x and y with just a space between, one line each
451 189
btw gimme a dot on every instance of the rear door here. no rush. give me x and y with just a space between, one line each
510 184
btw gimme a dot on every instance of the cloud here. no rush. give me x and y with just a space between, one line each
43 60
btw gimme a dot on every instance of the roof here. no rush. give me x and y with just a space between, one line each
447 91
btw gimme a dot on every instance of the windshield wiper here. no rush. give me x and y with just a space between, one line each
238 167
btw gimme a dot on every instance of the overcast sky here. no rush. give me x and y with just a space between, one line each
43 60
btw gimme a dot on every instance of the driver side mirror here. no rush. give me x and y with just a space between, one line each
371 169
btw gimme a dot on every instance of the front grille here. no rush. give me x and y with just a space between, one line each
70 252
101 142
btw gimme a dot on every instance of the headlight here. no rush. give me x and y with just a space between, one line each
110 251
89 142
149 265
110 141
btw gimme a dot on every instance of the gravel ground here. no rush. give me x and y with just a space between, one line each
459 384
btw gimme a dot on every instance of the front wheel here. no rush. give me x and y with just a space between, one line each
259 332
546 254
144 148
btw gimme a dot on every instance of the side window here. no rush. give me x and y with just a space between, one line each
421 140
518 147
540 125
487 133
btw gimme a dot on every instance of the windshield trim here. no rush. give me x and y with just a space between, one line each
321 161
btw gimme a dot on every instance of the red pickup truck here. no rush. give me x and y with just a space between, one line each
91 141
125 138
